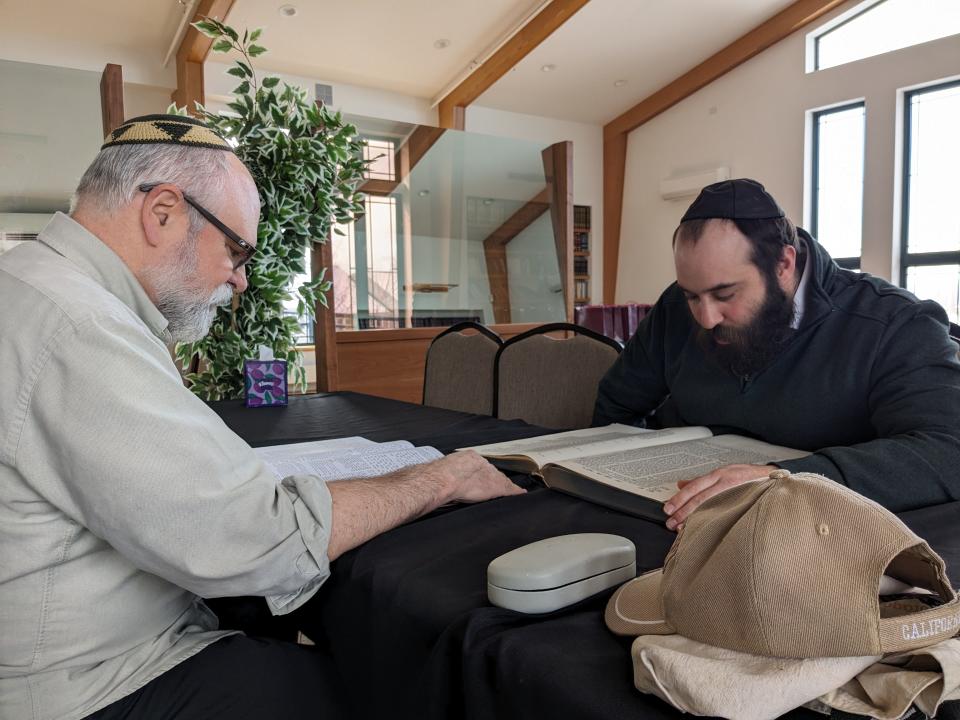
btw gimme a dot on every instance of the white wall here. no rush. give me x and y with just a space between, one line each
753 120
587 163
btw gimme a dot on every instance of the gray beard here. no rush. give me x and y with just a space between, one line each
175 294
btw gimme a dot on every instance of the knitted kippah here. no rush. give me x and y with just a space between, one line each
741 199
168 130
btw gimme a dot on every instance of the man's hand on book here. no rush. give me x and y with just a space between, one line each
474 479
694 492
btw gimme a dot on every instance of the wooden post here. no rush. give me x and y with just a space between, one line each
324 319
192 53
558 168
111 98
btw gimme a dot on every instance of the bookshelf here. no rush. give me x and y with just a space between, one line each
581 254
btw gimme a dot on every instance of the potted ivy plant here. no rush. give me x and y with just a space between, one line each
307 163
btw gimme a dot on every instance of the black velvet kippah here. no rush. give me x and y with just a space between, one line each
166 130
741 199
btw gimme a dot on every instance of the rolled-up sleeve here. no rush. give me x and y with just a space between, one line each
110 436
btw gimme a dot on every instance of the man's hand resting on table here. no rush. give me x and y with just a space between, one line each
367 507
694 492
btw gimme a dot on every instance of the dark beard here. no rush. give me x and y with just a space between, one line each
753 347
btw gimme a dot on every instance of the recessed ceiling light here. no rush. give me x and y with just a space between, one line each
619 83
441 43
287 10
423 193
548 68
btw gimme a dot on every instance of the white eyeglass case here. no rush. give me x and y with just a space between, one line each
550 574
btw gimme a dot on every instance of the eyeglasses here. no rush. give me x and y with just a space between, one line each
241 250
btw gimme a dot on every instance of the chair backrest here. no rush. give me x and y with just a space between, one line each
552 382
458 374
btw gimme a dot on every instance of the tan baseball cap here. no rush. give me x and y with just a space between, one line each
790 566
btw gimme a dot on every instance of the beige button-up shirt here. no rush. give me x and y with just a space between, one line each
123 498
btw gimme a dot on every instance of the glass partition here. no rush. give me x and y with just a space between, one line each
50 130
457 227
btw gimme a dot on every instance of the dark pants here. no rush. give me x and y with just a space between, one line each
238 678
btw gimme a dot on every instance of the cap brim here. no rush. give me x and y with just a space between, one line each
636 607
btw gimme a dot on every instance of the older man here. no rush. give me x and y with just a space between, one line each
764 335
123 498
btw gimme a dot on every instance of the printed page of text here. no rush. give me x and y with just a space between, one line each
655 471
377 459
591 441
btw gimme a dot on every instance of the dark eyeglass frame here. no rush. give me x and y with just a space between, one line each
240 245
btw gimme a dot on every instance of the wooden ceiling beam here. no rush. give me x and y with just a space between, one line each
786 22
503 60
768 33
192 53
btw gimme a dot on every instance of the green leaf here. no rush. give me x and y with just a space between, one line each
269 82
242 88
207 28
222 46
237 71
255 35
231 33
256 50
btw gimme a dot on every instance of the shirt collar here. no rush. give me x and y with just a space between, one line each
73 241
800 297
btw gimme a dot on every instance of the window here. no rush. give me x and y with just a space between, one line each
305 335
875 27
365 268
380 155
837 174
930 252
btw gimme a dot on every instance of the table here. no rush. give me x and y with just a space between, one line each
406 617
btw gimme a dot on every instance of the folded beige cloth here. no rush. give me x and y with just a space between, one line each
706 680
926 678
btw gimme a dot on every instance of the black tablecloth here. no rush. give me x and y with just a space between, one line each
406 616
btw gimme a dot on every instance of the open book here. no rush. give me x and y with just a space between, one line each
629 468
343 458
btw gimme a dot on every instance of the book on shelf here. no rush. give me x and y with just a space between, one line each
628 468
581 289
581 216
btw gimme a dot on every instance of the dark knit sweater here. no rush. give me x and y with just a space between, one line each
869 383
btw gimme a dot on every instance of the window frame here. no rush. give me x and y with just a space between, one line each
836 24
854 262
907 259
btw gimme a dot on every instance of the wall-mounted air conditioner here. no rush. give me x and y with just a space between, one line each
16 228
691 184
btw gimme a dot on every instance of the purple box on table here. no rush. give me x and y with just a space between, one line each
265 382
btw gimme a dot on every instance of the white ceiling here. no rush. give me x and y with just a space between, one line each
648 43
389 44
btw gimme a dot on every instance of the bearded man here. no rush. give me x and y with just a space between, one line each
125 500
764 335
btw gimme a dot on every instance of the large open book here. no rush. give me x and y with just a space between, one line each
629 468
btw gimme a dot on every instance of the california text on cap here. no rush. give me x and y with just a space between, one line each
166 130
742 199
790 566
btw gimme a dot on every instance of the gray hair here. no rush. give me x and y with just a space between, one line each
112 180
